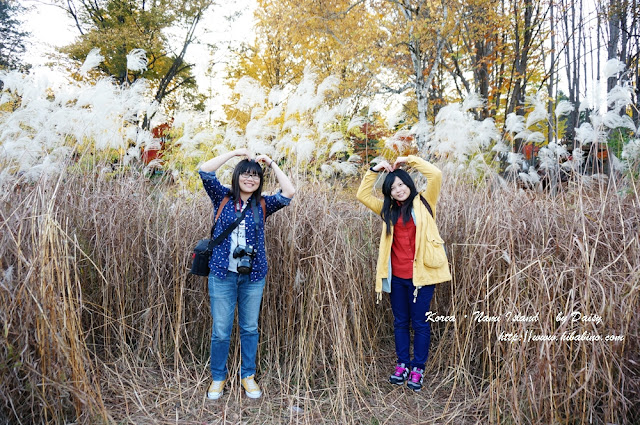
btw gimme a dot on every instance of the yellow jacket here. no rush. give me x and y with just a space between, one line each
430 265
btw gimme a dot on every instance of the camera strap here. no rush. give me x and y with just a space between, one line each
254 208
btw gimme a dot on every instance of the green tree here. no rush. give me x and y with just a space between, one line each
117 27
12 39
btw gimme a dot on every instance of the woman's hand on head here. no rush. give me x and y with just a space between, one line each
243 152
264 158
382 165
401 160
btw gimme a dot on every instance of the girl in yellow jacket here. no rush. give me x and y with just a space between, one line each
411 259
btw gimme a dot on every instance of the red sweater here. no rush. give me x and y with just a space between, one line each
403 248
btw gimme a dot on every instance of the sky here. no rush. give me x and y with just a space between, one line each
51 27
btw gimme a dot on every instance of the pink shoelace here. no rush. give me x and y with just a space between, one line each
400 370
415 376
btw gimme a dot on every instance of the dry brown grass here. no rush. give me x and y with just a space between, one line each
101 323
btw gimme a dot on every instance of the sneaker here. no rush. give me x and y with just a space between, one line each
415 379
215 390
251 389
400 375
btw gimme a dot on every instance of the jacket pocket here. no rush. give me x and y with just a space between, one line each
434 254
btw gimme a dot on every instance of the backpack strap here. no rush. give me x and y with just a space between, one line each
426 204
263 204
222 204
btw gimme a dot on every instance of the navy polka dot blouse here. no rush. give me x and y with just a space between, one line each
220 256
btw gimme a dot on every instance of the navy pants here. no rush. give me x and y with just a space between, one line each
408 314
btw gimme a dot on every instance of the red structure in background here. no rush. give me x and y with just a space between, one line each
160 133
530 150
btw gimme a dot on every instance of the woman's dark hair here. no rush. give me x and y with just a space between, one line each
391 209
246 166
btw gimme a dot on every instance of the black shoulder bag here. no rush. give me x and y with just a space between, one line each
202 252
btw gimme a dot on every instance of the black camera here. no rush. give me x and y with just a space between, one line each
245 255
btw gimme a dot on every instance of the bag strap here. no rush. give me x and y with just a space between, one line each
222 204
263 204
226 232
426 204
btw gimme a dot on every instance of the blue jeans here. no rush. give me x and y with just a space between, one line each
406 313
224 294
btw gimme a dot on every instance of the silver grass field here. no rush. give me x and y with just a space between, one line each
102 323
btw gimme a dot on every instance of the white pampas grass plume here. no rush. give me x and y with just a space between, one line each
324 116
563 107
515 123
500 147
258 146
631 151
524 134
399 141
613 120
250 92
421 129
137 60
587 134
276 96
93 59
394 115
346 168
329 84
616 163
486 132
577 158
257 129
47 168
531 177
612 68
549 155
619 97
539 112
338 146
584 105
131 154
356 121
473 100
326 170
536 137
304 149
514 160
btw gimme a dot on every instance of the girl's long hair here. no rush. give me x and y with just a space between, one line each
391 209
246 166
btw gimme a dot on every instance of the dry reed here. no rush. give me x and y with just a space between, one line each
101 322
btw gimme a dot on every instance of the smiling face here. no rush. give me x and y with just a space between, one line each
399 190
249 182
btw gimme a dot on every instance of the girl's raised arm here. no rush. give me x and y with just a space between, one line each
286 186
214 163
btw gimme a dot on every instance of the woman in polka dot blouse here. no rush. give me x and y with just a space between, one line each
231 283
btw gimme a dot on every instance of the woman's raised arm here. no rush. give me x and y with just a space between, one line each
286 186
214 163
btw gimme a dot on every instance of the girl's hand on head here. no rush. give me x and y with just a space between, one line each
383 165
265 159
243 152
401 160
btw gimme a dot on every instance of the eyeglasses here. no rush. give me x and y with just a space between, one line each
252 176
